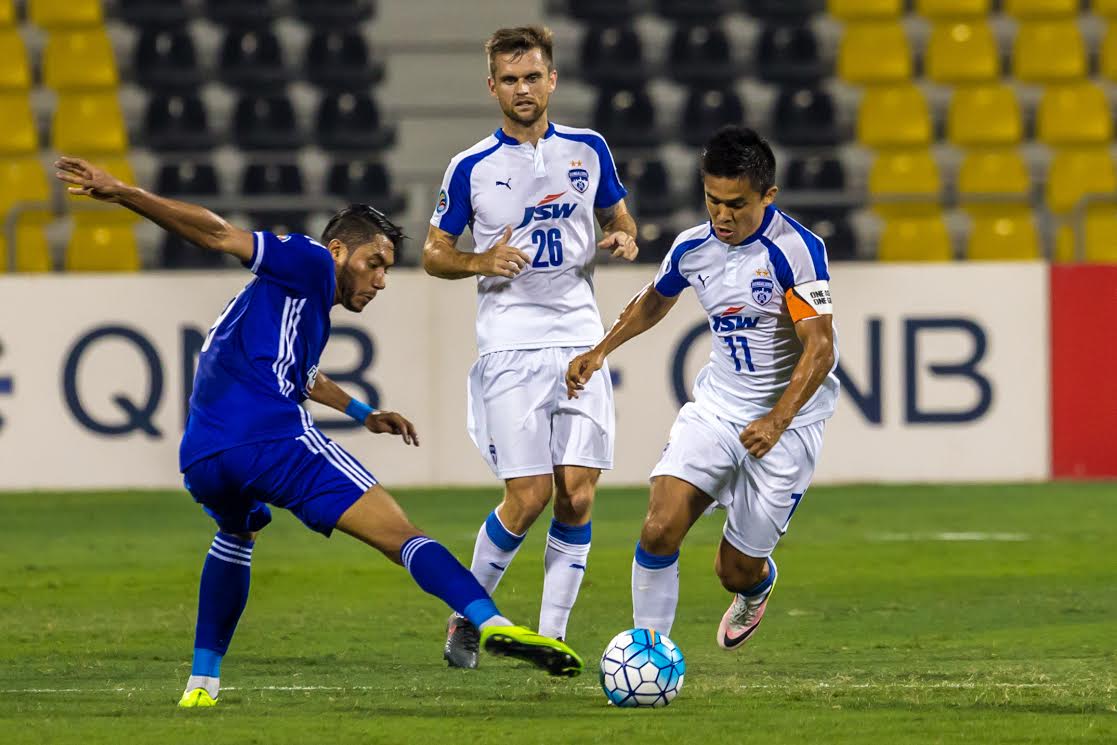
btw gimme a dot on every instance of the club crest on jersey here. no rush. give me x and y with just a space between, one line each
762 290
548 209
443 203
579 179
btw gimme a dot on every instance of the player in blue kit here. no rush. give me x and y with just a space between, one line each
249 443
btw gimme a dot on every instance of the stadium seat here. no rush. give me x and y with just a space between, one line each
874 52
102 242
1101 233
814 173
962 52
155 13
602 11
612 55
804 117
984 115
650 186
833 227
119 166
854 10
32 252
177 122
993 172
334 14
356 180
1105 8
22 179
917 238
1003 233
243 13
340 59
265 122
1108 62
15 72
904 182
1046 52
894 117
176 253
626 117
1075 114
694 11
1076 173
88 123
165 58
78 60
54 14
655 239
267 179
700 56
789 53
953 9
1042 8
784 9
185 178
18 135
280 222
7 13
349 121
708 110
252 58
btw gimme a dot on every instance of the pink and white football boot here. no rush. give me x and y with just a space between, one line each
744 615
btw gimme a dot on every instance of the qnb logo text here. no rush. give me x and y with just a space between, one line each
548 209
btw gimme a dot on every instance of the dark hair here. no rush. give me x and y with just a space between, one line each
739 152
519 40
358 224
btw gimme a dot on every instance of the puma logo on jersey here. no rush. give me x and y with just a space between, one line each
702 279
547 209
507 183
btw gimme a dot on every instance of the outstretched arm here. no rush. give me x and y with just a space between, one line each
441 257
329 393
196 224
619 229
642 312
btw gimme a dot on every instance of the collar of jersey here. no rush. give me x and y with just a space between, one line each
769 212
506 140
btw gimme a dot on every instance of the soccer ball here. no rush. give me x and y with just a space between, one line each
641 668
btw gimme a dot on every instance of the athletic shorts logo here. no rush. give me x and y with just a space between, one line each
762 290
492 452
579 179
443 203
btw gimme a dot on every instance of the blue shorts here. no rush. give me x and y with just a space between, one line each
311 475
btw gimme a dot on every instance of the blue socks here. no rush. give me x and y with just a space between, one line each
437 572
763 586
221 600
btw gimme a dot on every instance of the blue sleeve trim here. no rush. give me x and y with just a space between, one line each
673 282
815 247
784 275
460 211
610 190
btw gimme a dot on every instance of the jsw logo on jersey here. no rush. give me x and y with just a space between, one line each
547 209
727 321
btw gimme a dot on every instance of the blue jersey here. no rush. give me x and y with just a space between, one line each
260 359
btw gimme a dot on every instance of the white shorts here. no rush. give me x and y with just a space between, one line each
523 424
759 495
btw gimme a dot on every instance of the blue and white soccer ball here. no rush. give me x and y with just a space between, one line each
641 668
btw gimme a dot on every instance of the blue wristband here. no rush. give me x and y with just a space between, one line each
358 410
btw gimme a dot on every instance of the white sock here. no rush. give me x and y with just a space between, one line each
495 548
564 561
496 621
212 685
655 590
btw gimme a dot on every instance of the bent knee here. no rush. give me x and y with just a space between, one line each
661 537
736 576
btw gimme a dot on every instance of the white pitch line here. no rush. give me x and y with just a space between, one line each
950 537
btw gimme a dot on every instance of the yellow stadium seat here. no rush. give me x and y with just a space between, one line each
874 52
951 9
15 73
7 13
1049 51
984 115
1041 8
79 59
1109 52
846 10
1106 8
22 179
52 14
1101 233
962 52
904 182
32 252
994 172
918 238
1075 114
1076 172
102 242
895 116
1003 232
18 135
88 123
119 166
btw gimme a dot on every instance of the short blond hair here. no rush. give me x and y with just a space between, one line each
517 41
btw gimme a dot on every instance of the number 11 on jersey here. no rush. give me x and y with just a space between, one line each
745 352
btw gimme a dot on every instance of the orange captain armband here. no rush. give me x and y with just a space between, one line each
809 299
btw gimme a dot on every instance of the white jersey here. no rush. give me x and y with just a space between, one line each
547 195
753 293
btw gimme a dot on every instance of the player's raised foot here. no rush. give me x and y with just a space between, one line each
742 619
462 642
552 655
196 698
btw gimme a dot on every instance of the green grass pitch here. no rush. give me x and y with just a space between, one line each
984 614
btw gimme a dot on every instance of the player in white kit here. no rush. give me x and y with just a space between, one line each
529 194
751 438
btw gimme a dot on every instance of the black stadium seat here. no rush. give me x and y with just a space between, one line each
789 10
267 179
244 13
694 11
833 227
654 239
265 123
339 58
626 117
160 13
252 58
789 54
700 56
815 173
706 111
351 121
805 116
165 58
650 186
177 122
280 222
602 11
335 14
366 182
612 55
185 178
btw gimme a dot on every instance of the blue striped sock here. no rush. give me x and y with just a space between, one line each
222 595
437 572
